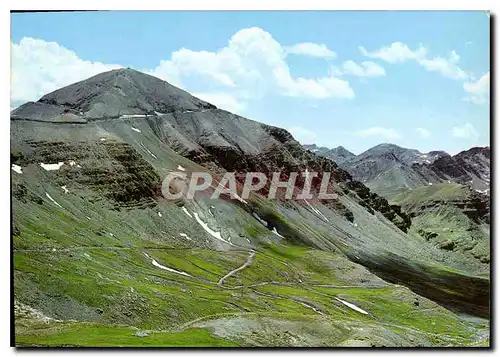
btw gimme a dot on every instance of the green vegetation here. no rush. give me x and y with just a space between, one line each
87 261
98 335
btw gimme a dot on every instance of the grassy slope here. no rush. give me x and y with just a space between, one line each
448 222
86 262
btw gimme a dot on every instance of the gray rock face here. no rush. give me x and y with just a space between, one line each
318 150
470 167
113 94
215 138
339 154
38 111
388 168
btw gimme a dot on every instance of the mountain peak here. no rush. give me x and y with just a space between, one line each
343 150
112 94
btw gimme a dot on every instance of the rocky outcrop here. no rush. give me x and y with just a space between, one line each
111 95
388 168
112 169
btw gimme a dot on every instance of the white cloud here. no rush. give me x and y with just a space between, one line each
396 52
40 67
302 135
479 91
366 69
209 64
400 52
387 133
252 65
168 72
253 61
222 100
424 133
465 131
311 49
320 88
447 67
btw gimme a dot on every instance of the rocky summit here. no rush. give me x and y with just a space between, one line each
389 169
102 258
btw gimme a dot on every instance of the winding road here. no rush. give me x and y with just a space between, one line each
232 272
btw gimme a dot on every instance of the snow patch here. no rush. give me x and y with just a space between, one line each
259 219
310 307
17 168
159 214
352 306
430 183
50 198
185 236
65 189
51 167
133 116
276 232
186 211
317 211
156 264
103 139
135 129
214 234
72 163
179 167
147 150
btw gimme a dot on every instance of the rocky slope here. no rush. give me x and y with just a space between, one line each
318 150
470 167
339 154
454 217
98 250
389 169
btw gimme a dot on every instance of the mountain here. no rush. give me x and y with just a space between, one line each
110 95
338 154
318 150
470 167
407 156
389 169
99 251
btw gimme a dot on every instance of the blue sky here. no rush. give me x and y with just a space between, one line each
417 79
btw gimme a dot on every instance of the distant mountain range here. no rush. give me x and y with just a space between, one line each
389 169
339 154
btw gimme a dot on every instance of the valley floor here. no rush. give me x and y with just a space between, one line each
278 295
